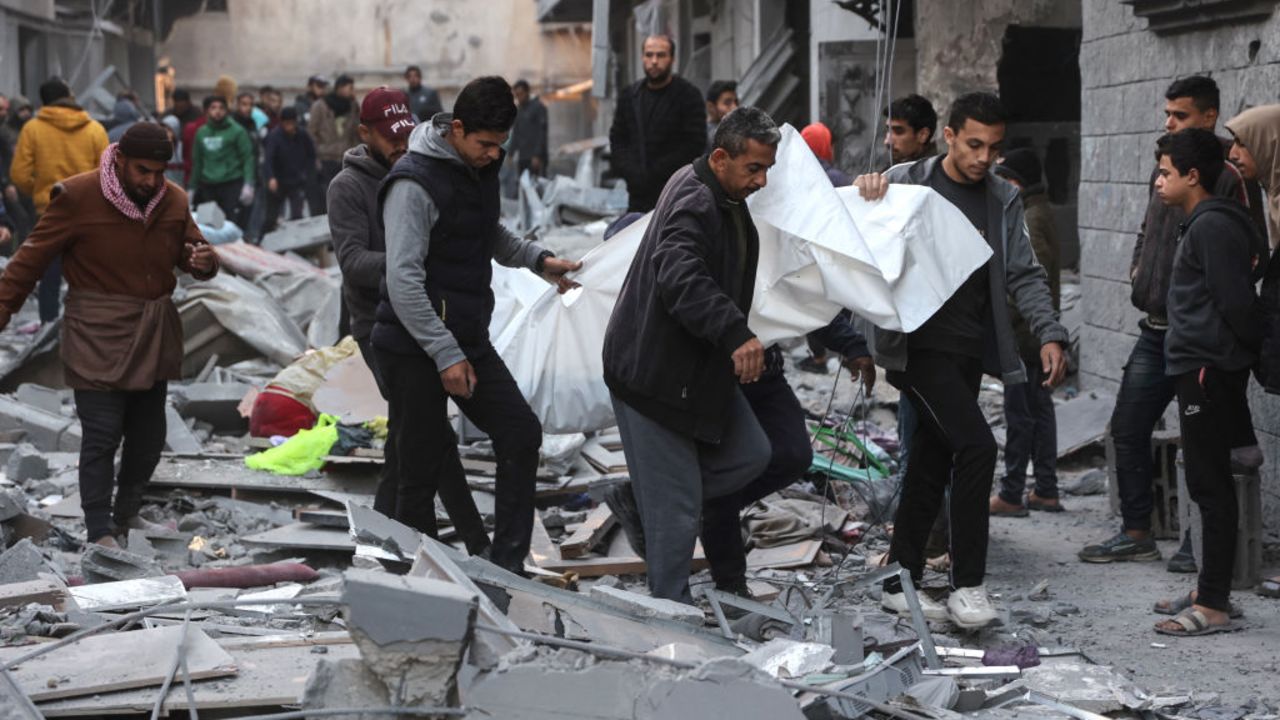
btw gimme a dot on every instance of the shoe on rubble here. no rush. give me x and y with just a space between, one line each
813 365
622 503
1121 548
971 607
897 603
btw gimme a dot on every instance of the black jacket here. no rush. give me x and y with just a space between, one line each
647 151
1213 318
290 161
683 308
355 225
529 134
1158 238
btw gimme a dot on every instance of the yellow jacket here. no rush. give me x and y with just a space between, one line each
60 141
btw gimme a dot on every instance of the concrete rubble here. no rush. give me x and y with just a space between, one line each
322 603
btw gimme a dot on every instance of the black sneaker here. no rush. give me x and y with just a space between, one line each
622 503
1183 561
1121 548
813 365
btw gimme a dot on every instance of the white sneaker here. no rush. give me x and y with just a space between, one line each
971 607
897 603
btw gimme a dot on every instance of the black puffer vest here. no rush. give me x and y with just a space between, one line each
459 258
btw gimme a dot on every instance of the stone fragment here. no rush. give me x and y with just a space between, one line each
21 563
12 504
106 564
26 463
412 632
648 607
344 683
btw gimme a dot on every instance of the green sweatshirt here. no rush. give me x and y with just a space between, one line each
222 153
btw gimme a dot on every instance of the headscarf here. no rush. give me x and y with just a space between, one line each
1258 129
113 190
819 138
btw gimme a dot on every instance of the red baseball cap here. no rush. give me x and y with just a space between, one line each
387 112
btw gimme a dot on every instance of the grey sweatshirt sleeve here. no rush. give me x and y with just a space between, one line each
510 250
408 215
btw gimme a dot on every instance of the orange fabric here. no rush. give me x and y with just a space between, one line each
819 138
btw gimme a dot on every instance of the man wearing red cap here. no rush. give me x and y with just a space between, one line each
356 229
121 230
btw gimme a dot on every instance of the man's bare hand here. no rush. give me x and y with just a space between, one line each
200 258
748 361
554 270
5 235
863 368
1054 363
459 379
872 186
10 193
535 164
273 186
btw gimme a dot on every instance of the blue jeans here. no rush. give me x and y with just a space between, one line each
1145 392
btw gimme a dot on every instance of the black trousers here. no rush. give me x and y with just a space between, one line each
427 451
227 196
107 417
953 458
776 408
294 197
1214 411
1032 436
384 500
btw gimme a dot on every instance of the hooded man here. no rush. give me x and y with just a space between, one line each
123 116
386 120
60 142
440 208
334 119
121 231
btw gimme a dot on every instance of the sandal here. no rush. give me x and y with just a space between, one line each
1270 588
1194 623
1173 607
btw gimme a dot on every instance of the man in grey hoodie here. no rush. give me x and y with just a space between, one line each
440 208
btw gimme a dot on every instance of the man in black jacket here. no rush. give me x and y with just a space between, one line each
529 135
1145 391
658 126
356 230
1211 344
289 162
678 346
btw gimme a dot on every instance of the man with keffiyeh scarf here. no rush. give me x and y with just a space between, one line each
121 230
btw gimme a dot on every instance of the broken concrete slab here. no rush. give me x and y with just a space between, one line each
39 396
178 437
369 528
106 564
14 703
436 560
26 463
648 607
1096 688
552 687
416 654
215 403
285 592
21 563
784 658
45 430
129 594
44 591
344 683
12 504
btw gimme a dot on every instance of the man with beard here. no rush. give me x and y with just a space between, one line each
222 165
333 126
357 232
658 126
424 101
121 230
288 165
440 208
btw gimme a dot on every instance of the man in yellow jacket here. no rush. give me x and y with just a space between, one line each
60 141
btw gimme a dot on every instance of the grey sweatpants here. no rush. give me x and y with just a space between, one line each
672 474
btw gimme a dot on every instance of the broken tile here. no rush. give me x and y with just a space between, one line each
128 594
105 564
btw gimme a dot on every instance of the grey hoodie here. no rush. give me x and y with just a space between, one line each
357 235
408 214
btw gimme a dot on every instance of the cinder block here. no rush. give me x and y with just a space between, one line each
215 403
26 463
46 431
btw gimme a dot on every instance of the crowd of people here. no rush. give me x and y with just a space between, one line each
412 195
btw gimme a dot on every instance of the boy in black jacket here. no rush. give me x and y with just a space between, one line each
1211 344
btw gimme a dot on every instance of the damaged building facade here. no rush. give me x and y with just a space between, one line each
1131 51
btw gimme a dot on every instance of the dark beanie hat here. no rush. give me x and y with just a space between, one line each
146 141
1021 165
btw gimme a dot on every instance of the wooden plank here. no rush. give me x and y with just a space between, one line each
119 661
44 592
801 554
230 474
589 534
621 560
268 677
604 459
304 536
